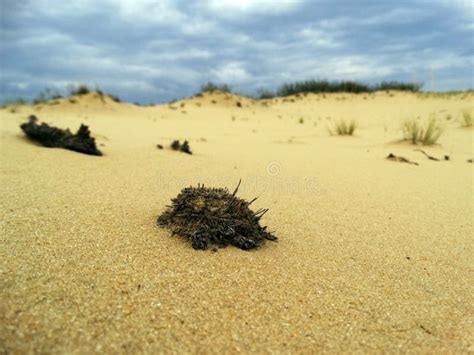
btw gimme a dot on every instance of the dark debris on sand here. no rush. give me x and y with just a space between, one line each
181 147
430 157
400 159
49 136
211 217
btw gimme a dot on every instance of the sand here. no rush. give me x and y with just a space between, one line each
373 255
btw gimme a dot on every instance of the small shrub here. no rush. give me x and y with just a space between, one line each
397 85
343 128
411 130
321 86
83 89
211 87
45 95
263 94
325 86
38 100
417 132
115 98
466 119
80 89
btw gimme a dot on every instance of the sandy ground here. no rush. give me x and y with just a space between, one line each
373 255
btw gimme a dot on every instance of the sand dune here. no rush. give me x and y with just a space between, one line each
373 255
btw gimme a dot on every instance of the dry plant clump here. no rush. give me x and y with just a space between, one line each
49 136
185 148
343 128
467 119
81 89
417 132
214 217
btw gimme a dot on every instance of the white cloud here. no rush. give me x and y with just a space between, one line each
230 8
359 67
164 13
44 38
396 16
173 52
319 38
127 85
341 67
447 60
158 12
463 5
335 23
233 72
60 8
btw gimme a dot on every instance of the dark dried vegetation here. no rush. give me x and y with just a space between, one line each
49 136
400 159
175 145
430 157
211 217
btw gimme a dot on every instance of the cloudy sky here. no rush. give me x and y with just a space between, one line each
156 50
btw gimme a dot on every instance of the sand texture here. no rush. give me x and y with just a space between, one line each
373 255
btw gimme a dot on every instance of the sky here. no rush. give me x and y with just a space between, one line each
156 50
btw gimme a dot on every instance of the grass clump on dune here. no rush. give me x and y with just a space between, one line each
320 86
211 87
263 94
46 95
81 89
343 128
50 94
466 119
325 86
115 98
397 85
426 133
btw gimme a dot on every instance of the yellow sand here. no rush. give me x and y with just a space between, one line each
373 255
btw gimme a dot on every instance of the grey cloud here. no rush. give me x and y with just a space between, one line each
146 50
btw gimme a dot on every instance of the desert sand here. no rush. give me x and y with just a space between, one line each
373 255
